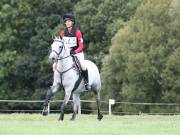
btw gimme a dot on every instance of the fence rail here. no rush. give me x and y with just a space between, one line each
110 103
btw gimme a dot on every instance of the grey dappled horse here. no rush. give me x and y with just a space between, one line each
67 76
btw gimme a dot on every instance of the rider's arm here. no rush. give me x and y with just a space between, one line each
80 41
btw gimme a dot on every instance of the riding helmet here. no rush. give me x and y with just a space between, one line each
69 17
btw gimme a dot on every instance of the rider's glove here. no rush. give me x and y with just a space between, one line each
72 52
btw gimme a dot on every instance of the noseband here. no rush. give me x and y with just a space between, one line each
62 47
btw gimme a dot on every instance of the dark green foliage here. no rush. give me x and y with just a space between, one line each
26 29
100 20
144 58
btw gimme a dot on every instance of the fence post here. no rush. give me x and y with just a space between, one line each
111 102
48 108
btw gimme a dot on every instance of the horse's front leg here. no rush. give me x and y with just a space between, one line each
63 105
51 90
49 94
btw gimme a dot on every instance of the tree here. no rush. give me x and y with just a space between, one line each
171 72
140 54
25 38
16 29
100 20
48 17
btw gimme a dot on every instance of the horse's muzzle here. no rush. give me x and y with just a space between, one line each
52 57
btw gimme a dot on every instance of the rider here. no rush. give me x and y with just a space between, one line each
72 37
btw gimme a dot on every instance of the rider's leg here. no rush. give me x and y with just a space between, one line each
80 57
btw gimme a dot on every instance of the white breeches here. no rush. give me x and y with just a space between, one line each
80 57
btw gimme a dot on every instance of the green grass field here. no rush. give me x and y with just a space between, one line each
35 124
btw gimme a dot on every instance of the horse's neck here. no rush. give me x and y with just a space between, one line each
65 64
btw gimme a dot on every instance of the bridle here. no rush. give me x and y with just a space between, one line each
62 47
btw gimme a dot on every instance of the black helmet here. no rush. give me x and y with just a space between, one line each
69 17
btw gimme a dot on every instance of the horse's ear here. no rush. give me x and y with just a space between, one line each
59 37
53 37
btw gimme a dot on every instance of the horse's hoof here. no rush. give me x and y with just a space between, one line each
100 116
61 121
72 119
61 118
45 112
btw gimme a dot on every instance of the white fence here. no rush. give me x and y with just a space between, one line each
109 103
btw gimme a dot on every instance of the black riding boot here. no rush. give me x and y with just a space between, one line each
86 80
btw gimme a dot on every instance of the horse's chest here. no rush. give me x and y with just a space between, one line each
69 80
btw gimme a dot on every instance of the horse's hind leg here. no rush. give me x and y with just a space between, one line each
100 116
76 103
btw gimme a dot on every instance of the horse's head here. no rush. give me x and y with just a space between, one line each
58 49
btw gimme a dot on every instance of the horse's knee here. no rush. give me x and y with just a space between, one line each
54 88
49 92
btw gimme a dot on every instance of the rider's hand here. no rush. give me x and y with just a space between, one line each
72 52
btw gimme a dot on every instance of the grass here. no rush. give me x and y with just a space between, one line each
35 124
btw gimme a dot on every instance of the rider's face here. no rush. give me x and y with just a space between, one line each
69 23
